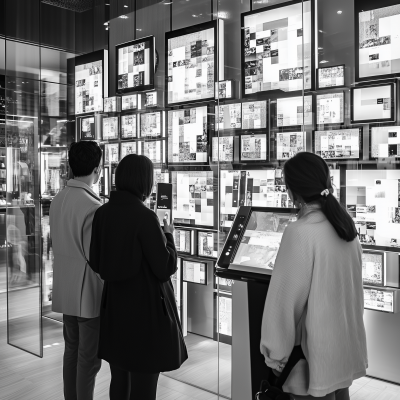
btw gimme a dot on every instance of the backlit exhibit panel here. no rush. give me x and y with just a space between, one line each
111 153
154 150
330 108
375 103
191 66
182 240
159 177
88 129
225 315
187 135
128 126
110 128
385 141
112 104
379 42
89 87
331 77
258 188
380 300
277 46
150 99
228 116
128 148
289 144
373 268
151 125
194 272
129 102
193 195
254 115
207 244
253 148
223 152
136 65
225 89
292 111
337 144
372 199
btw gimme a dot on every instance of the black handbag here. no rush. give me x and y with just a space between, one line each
271 389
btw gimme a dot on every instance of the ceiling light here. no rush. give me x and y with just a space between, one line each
125 6
339 12
107 28
123 16
106 23
320 31
323 62
139 30
320 48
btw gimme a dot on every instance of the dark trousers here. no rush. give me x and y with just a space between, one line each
128 385
81 365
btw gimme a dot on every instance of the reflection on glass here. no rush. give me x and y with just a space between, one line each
22 60
53 65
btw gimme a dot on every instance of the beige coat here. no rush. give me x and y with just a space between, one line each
76 288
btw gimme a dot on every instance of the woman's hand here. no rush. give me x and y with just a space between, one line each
168 228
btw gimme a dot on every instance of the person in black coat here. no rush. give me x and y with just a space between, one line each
140 331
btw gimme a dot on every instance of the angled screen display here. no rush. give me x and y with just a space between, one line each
385 141
110 128
330 77
254 115
154 150
330 108
128 148
338 144
151 125
292 111
373 268
224 151
228 116
111 155
289 144
128 126
88 129
129 102
253 147
207 244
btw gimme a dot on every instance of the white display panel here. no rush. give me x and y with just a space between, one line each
88 129
159 177
111 153
254 115
338 144
224 89
154 150
207 244
253 147
110 128
194 272
380 300
379 42
258 188
151 125
373 268
128 126
150 99
128 148
223 152
225 315
129 102
277 49
228 116
385 141
187 135
89 87
112 104
331 77
182 240
372 199
289 144
290 111
193 194
372 104
330 108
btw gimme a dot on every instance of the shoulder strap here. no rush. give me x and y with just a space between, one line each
296 355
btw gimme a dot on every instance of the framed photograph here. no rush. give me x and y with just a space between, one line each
111 153
150 99
338 144
110 128
277 48
128 126
128 148
194 272
373 268
228 116
375 103
289 144
135 65
225 89
385 142
294 111
330 108
152 125
330 77
254 115
183 240
207 244
188 135
153 149
191 60
88 129
112 104
222 149
129 102
253 147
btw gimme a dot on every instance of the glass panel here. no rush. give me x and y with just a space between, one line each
22 60
53 65
188 13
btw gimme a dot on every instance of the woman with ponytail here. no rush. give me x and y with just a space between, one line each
315 298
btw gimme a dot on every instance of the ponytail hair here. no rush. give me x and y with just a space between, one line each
307 176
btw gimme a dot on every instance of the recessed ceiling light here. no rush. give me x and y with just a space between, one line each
339 12
138 29
320 48
105 23
123 16
323 62
125 6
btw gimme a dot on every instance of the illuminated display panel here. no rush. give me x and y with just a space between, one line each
258 188
187 135
111 153
228 116
225 315
225 89
192 57
330 108
277 49
329 77
150 99
159 177
372 199
290 111
135 64
338 144
254 115
182 240
151 125
253 147
193 195
112 104
289 144
128 126
128 148
129 102
110 128
380 300
194 272
88 129
373 103
154 150
378 42
224 152
373 268
207 244
385 141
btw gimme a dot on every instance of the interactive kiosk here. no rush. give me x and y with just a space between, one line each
248 258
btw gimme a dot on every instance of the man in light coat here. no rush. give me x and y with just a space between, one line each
77 289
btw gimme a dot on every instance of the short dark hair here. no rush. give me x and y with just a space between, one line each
84 157
135 174
308 175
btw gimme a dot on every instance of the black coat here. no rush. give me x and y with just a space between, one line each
139 325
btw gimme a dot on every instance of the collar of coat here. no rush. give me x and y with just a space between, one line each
123 197
78 184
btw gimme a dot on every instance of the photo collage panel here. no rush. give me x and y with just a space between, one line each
222 151
337 144
128 148
294 111
151 125
111 153
385 142
128 126
110 128
254 115
330 108
228 116
253 147
289 144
